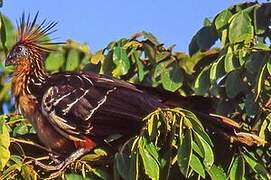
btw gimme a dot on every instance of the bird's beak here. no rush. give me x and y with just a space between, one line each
9 61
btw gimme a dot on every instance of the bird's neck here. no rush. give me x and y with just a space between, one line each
28 74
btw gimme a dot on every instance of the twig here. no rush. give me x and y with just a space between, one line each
12 139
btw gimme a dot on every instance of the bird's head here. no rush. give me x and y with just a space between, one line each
32 41
18 53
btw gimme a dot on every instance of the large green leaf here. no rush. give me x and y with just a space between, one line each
72 176
222 19
206 37
217 69
172 77
140 66
3 33
193 45
240 28
197 166
151 165
72 62
260 80
217 173
4 146
237 170
97 57
230 62
20 129
7 34
122 162
185 153
121 60
28 173
202 82
233 84
197 126
206 149
54 61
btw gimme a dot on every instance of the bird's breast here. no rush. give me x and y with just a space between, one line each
48 136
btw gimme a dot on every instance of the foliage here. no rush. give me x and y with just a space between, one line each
174 143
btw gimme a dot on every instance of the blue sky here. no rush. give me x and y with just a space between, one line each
97 23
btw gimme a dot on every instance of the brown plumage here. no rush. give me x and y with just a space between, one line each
75 111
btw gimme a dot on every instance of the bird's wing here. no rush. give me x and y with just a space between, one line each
78 104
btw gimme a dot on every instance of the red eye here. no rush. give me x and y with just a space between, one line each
19 49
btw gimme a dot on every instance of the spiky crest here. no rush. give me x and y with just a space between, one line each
36 35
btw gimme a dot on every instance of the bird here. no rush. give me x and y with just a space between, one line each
75 111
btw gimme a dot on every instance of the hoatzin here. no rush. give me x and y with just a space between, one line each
73 112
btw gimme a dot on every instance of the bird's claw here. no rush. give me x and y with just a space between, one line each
61 165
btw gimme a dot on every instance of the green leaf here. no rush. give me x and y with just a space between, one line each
72 62
7 32
237 170
206 37
250 106
197 166
206 149
151 166
101 174
229 63
28 173
3 34
264 126
150 147
240 28
152 127
202 82
217 173
233 84
97 154
107 66
193 45
172 77
140 66
207 22
134 166
185 153
149 51
54 61
197 126
217 69
255 62
261 46
222 19
72 176
256 166
196 148
4 146
261 18
97 57
121 60
159 68
260 81
20 129
242 55
122 162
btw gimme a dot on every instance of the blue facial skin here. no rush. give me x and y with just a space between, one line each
17 53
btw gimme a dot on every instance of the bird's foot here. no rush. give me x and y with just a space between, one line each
60 166
54 158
